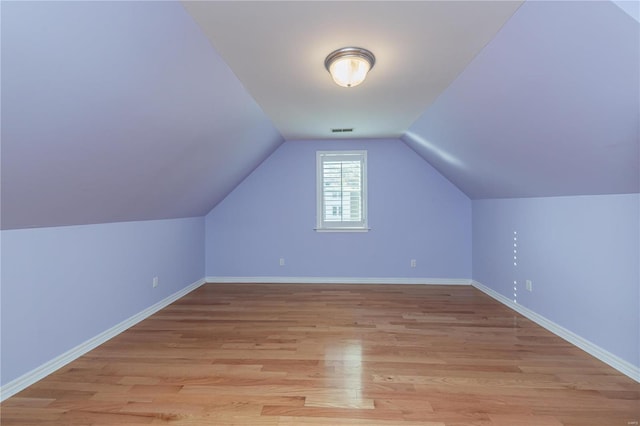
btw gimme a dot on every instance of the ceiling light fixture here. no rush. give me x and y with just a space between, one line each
349 66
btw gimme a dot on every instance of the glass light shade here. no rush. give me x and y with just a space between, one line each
349 66
349 71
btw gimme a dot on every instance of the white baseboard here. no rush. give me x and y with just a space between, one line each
60 361
338 280
603 355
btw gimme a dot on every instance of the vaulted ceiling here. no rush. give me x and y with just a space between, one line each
550 107
116 111
420 48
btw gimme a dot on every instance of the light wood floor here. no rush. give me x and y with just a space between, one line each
246 354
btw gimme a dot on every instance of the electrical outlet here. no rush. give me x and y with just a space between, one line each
413 263
282 261
155 282
529 285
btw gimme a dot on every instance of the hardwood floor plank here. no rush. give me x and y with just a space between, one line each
375 355
315 421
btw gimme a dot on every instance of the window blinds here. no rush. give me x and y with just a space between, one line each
341 193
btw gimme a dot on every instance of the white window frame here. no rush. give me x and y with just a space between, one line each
346 226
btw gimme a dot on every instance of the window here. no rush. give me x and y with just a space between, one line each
342 190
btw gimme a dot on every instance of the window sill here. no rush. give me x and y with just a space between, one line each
342 229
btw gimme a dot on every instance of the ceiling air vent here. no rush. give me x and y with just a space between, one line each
346 130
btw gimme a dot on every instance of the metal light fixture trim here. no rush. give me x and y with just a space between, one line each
349 66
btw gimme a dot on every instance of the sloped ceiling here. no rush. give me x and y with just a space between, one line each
632 7
117 111
550 107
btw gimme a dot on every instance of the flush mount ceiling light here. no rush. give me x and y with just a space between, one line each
349 66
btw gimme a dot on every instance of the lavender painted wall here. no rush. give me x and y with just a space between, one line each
582 254
557 85
414 213
117 111
62 286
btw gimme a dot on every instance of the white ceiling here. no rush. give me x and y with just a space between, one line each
277 50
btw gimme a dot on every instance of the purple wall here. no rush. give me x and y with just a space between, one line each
582 255
414 213
557 86
62 286
118 111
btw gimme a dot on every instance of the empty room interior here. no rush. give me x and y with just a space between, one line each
320 213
